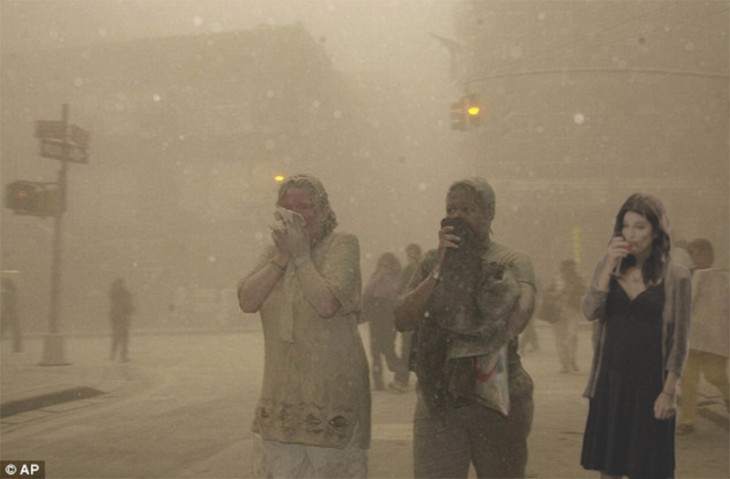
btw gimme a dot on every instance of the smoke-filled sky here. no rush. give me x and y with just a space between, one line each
357 34
375 37
386 47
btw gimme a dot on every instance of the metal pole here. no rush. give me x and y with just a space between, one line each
53 352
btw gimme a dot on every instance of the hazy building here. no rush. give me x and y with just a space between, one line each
587 102
187 135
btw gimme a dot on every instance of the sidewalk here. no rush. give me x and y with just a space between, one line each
554 442
26 386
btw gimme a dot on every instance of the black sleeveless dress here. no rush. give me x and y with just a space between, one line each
622 437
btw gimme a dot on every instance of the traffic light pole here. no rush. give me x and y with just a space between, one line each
54 346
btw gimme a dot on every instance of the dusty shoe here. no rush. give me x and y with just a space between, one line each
684 429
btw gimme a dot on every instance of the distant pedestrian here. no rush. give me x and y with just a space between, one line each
414 253
529 340
567 291
378 303
640 300
10 318
120 315
680 254
708 339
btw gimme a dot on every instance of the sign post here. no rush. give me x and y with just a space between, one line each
67 143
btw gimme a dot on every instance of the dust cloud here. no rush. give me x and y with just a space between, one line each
195 106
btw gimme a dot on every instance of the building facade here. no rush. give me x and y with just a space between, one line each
588 102
187 135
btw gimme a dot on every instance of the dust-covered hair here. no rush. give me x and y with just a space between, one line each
318 195
388 260
482 189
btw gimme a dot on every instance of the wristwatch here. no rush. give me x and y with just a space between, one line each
436 274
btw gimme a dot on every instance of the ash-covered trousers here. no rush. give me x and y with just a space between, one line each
443 447
273 459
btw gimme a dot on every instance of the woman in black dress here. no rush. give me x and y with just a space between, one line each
641 302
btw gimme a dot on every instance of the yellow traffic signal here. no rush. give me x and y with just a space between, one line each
466 113
473 106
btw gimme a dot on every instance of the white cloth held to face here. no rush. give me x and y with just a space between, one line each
293 225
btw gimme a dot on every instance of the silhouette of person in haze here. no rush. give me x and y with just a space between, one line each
414 253
529 340
378 302
120 315
708 337
567 290
10 318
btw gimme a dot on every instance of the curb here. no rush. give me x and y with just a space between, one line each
44 400
148 332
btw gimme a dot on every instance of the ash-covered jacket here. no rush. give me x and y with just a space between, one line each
675 320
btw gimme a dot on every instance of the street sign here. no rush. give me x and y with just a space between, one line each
60 151
58 130
50 129
78 135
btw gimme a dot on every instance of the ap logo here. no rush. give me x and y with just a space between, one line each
22 469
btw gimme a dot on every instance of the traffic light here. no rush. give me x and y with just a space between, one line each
33 198
466 113
21 196
458 116
473 108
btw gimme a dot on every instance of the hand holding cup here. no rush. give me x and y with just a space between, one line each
618 249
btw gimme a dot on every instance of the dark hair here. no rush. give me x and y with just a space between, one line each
653 210
389 260
414 248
